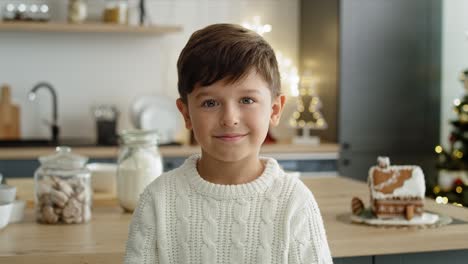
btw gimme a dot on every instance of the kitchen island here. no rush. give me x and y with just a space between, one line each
103 239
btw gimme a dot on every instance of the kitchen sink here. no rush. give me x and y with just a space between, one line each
25 143
40 142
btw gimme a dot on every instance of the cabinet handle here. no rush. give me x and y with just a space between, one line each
346 146
346 162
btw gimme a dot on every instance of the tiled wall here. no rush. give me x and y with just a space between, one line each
89 68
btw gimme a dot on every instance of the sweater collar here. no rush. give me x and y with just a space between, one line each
257 186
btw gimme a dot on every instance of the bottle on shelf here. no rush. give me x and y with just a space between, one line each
77 11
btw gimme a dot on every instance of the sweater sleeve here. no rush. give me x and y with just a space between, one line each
308 242
141 242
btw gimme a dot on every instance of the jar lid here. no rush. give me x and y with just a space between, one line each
63 159
143 137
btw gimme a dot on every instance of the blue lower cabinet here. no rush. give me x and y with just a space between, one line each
353 260
172 163
18 168
438 257
309 165
435 257
26 168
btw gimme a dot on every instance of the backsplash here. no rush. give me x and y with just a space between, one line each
93 68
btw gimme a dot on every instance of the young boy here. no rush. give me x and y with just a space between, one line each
228 205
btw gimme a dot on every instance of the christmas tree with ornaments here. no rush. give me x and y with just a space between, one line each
452 162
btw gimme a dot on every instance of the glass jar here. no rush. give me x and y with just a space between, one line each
139 163
77 11
63 191
116 11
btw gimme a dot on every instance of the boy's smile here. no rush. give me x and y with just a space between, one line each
230 120
231 137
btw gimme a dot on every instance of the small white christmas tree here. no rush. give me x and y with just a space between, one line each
308 118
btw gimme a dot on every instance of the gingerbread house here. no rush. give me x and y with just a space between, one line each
396 191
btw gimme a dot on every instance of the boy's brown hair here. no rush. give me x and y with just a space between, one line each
225 51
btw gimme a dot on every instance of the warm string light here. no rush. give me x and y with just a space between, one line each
257 26
444 200
295 122
453 174
289 72
441 200
290 78
457 154
308 91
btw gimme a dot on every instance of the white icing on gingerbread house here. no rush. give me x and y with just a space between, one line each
402 181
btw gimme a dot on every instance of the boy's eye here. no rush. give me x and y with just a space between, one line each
209 103
247 100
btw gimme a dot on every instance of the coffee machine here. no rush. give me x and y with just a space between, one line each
106 117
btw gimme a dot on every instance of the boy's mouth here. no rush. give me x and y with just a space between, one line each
230 136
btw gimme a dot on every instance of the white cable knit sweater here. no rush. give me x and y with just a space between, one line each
181 218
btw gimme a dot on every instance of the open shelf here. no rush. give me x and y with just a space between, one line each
87 28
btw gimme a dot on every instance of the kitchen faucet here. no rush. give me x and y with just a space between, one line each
32 97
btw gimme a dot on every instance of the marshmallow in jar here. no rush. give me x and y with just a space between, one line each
63 193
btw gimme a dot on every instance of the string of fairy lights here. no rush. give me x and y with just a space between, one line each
289 72
312 118
452 186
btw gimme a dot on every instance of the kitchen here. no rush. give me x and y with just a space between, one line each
89 69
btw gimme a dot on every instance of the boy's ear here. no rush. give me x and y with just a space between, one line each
183 109
277 109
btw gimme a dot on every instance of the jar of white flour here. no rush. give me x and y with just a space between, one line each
139 163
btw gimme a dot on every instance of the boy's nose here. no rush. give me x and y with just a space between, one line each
230 116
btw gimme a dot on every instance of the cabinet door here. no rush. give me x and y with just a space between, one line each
389 81
438 257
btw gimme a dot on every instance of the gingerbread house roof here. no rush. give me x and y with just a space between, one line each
396 181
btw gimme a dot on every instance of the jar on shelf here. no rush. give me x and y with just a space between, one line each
77 11
139 163
63 193
116 11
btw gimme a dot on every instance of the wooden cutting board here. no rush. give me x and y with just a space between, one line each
9 116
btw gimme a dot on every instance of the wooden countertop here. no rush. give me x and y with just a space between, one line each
287 151
103 239
347 240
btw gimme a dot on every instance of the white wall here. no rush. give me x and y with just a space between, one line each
454 59
88 69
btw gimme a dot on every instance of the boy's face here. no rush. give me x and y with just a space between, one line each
230 121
